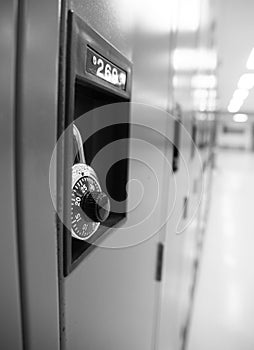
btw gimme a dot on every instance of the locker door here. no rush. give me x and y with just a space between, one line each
109 298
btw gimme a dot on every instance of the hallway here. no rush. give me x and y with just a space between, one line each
223 313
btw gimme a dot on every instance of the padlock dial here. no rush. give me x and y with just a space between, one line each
96 206
90 206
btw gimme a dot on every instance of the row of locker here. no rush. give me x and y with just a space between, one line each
134 289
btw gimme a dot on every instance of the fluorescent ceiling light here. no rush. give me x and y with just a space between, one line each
152 16
236 102
250 61
241 94
187 22
233 109
211 105
211 117
205 100
201 116
212 94
202 106
235 105
181 81
246 81
204 81
240 118
191 59
200 94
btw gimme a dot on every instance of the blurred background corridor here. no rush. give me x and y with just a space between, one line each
224 307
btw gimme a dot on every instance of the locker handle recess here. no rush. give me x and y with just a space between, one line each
159 263
177 128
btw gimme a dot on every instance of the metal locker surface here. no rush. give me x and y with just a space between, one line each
10 306
36 136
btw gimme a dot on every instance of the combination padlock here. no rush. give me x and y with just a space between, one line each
89 206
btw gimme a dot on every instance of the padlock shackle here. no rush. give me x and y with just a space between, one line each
79 142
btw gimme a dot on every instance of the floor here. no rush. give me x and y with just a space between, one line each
223 316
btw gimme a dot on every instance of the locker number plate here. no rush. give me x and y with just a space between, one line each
105 70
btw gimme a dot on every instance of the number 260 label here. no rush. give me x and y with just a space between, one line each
102 68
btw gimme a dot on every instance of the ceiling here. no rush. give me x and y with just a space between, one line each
235 38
